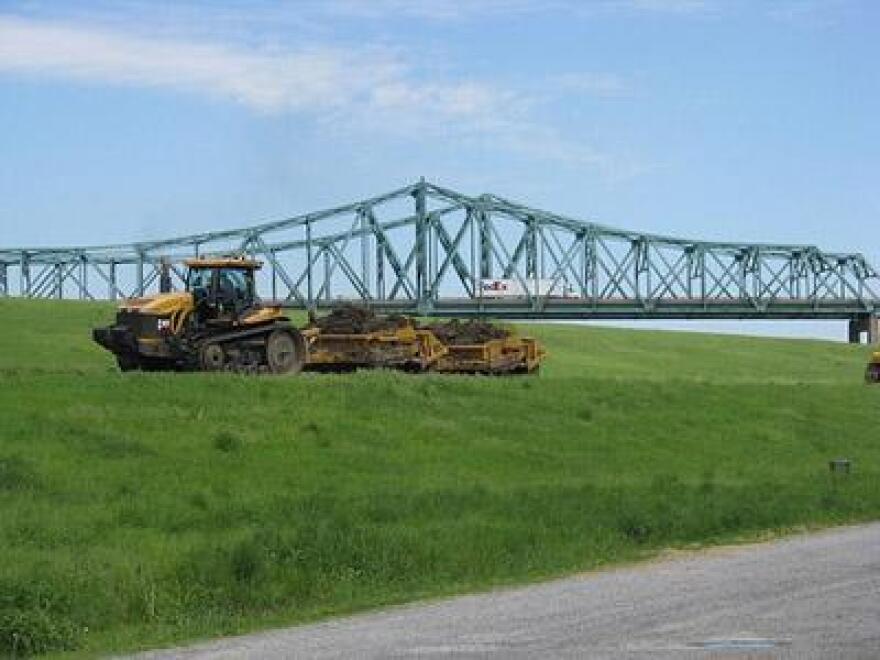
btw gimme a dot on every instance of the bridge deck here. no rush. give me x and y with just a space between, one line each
580 308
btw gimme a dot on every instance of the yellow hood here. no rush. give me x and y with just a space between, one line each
161 304
262 315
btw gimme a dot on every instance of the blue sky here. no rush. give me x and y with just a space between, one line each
729 120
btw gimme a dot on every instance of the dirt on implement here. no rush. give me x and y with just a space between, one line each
352 320
461 333
353 337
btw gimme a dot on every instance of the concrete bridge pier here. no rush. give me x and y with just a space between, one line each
867 323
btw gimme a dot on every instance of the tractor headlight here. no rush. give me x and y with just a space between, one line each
164 325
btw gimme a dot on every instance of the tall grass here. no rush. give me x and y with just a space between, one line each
142 509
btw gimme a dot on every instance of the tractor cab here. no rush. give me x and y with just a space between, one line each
223 289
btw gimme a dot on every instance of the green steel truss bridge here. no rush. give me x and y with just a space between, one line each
425 249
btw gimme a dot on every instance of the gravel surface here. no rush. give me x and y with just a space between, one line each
809 596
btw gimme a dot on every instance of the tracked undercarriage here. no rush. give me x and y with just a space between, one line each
272 348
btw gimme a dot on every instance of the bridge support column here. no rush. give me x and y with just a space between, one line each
855 330
165 283
421 244
113 286
867 323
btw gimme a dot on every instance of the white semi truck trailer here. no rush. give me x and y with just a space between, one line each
513 288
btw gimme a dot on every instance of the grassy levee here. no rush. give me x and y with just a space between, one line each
139 510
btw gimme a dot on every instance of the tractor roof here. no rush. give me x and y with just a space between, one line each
224 262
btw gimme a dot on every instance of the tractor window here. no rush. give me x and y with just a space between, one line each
199 278
234 281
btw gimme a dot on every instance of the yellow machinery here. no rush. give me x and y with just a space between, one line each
218 324
495 356
872 373
351 337
402 347
478 347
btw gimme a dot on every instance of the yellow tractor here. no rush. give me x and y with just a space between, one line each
216 324
872 373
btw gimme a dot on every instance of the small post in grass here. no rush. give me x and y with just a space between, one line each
840 465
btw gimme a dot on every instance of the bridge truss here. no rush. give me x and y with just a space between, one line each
428 250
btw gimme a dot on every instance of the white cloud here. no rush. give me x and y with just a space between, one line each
340 89
442 10
449 10
239 18
320 80
316 79
264 80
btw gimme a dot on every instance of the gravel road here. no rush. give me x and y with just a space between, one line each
809 596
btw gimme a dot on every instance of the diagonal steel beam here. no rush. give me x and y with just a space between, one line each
279 270
400 272
453 257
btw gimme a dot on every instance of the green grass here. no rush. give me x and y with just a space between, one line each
139 510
